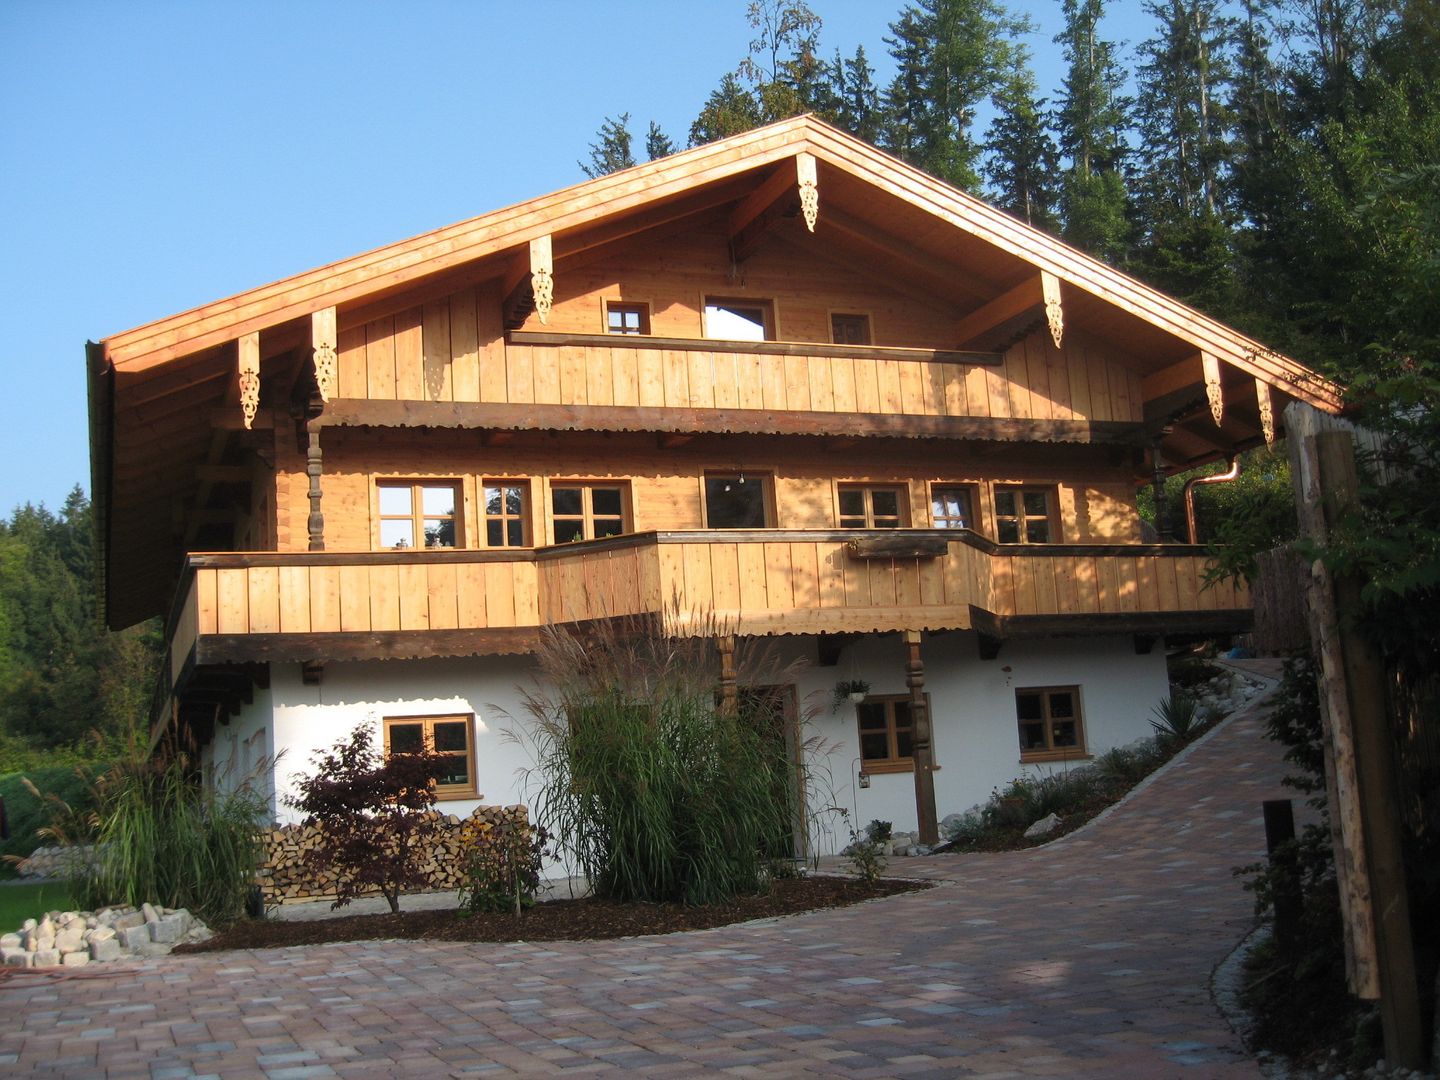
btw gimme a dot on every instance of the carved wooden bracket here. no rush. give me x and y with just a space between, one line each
1267 410
248 376
326 359
1210 365
809 189
542 277
1054 313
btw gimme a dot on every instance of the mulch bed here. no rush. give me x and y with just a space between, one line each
555 920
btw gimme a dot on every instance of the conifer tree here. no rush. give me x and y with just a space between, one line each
657 143
611 150
729 110
1022 163
1090 125
855 99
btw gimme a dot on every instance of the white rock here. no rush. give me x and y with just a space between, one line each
75 959
151 915
105 949
46 958
71 939
1044 827
101 933
11 941
18 958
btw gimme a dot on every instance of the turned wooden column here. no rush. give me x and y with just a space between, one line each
314 468
920 749
728 695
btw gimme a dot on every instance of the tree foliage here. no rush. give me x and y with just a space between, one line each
610 152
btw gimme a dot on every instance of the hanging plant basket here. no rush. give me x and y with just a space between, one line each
852 690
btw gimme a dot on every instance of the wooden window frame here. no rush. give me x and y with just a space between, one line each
766 305
640 307
526 515
971 490
843 314
894 763
1051 517
901 489
766 477
417 515
587 516
1051 752
443 792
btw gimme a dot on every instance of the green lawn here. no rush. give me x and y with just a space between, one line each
21 902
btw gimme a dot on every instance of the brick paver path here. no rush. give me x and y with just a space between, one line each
1090 957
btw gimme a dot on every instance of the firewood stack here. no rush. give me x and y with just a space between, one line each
284 875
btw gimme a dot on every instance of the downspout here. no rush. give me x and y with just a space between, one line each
1232 473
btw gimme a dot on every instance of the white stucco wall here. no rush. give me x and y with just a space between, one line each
973 704
242 749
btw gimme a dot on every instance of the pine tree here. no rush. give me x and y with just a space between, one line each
611 150
855 97
729 110
657 143
784 66
1090 120
1022 163
951 55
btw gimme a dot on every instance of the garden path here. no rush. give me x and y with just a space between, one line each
1090 957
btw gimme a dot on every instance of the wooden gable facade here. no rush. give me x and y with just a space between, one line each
942 417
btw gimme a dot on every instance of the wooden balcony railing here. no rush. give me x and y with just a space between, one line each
283 605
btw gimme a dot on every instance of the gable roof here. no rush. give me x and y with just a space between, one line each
153 387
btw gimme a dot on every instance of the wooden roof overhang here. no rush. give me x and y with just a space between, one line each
162 395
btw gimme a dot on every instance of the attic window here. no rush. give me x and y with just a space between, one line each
625 318
846 329
739 320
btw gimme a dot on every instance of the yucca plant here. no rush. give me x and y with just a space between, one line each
1177 719
654 788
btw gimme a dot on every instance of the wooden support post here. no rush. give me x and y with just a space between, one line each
1285 870
1364 808
921 751
314 468
728 694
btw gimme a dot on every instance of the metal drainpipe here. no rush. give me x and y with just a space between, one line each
1232 473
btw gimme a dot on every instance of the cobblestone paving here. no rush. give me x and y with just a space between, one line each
1090 957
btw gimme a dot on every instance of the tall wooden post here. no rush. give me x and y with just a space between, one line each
728 693
314 468
921 752
1365 811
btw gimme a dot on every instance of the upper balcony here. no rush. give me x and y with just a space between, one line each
269 606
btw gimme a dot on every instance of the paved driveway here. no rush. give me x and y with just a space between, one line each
1090 957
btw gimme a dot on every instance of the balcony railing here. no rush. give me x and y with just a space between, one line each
297 605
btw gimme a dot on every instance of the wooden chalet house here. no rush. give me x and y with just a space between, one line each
783 378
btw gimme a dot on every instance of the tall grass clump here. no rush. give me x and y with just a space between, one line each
644 778
163 838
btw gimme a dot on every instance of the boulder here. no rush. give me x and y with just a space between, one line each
1044 827
105 949
46 958
75 959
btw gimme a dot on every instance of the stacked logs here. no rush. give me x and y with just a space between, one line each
284 875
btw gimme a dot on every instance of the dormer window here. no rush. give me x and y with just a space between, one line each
626 318
739 320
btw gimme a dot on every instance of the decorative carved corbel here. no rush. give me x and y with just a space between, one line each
1267 411
542 277
1054 313
1210 365
809 189
326 359
248 376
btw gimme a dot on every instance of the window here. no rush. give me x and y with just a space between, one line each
450 736
419 513
739 320
886 728
849 329
1050 725
864 507
736 501
623 318
951 507
505 505
1024 515
586 511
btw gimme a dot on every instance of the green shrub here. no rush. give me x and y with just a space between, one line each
866 856
1177 719
27 813
1124 767
501 866
657 791
163 838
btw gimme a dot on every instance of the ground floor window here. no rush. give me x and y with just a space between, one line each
450 736
887 731
1050 724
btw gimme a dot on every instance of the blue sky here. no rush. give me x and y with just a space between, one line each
156 156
